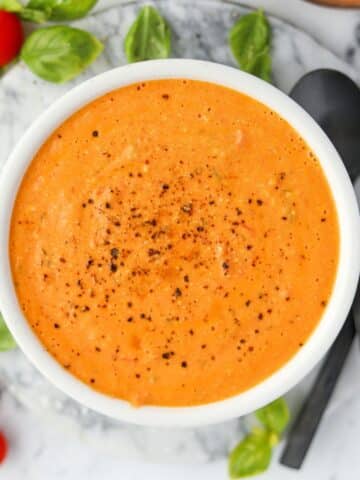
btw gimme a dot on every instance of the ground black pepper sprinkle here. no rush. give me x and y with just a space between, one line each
177 292
114 252
113 267
56 325
89 263
95 133
184 364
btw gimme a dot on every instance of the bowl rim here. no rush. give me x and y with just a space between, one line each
349 256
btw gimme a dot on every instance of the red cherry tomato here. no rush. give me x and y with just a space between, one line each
11 37
3 447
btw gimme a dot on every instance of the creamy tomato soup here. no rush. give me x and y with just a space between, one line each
174 243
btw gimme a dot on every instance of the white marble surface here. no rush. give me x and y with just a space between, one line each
41 450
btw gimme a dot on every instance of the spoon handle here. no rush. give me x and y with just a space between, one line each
305 425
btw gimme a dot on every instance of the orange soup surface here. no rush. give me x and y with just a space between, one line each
174 243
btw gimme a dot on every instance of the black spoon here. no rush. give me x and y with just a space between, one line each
333 100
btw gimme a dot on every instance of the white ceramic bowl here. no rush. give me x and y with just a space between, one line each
348 268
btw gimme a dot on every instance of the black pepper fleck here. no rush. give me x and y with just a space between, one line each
177 292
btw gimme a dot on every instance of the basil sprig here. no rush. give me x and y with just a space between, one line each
25 13
253 454
39 11
60 53
62 10
274 416
6 340
149 37
249 40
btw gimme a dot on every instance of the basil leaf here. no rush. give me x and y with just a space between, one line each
249 41
61 10
27 14
60 53
251 456
274 416
32 15
262 65
6 340
149 37
10 5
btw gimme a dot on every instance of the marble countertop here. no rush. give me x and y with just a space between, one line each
41 451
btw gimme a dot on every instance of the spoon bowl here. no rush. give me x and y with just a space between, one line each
333 100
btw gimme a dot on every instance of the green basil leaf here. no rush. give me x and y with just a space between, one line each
249 41
6 340
149 37
32 15
274 416
262 65
60 53
62 10
251 456
27 14
11 5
